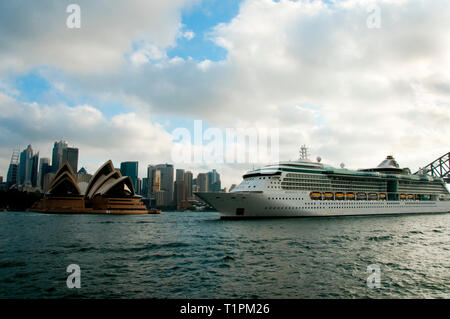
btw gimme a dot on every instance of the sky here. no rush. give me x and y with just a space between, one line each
355 80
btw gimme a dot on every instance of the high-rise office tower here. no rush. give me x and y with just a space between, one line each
130 169
213 181
13 172
34 170
151 173
25 165
57 154
156 187
202 182
180 194
188 185
166 182
44 169
179 174
145 184
70 155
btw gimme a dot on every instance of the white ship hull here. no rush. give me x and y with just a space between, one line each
243 205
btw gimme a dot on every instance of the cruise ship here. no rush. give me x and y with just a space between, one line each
306 188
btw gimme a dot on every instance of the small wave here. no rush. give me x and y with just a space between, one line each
7 264
85 249
380 238
227 258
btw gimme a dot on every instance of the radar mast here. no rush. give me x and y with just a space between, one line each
304 152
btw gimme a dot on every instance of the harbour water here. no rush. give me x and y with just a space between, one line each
197 255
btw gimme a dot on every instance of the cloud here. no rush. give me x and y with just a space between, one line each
313 69
35 33
189 35
125 136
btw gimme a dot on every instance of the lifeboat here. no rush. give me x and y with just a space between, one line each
315 195
402 196
410 196
382 196
328 196
340 196
417 197
361 196
350 196
373 196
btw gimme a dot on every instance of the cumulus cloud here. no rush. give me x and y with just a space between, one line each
313 69
123 137
34 33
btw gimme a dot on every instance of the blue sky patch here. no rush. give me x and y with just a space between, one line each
201 19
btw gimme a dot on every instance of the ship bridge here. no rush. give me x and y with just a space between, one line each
438 168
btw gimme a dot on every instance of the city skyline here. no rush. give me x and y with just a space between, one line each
32 171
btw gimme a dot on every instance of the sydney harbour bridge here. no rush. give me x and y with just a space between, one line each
439 168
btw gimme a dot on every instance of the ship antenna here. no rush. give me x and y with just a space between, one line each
304 152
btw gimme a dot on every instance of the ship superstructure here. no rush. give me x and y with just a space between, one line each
306 188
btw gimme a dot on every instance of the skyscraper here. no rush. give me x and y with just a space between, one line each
151 173
180 194
130 169
13 172
202 182
57 154
70 155
25 166
179 174
44 169
34 170
145 184
213 181
188 184
166 182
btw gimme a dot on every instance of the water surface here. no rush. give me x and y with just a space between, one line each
197 255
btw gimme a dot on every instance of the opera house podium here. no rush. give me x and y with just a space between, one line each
108 192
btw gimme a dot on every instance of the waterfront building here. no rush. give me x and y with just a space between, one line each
138 189
1 179
203 182
108 192
179 174
13 171
180 194
145 184
44 169
47 181
34 170
151 173
57 154
213 181
130 169
70 155
166 182
188 183
160 197
25 165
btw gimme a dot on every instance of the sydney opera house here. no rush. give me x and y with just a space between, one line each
108 192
